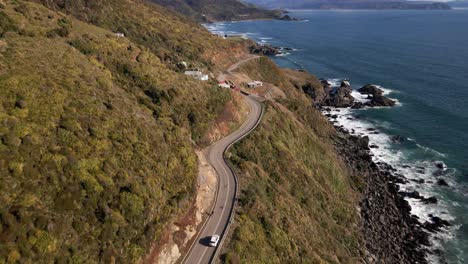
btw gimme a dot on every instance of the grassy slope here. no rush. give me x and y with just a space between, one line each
171 37
297 204
217 10
96 151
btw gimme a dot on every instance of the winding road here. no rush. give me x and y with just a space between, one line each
220 219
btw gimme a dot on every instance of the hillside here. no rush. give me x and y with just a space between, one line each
349 4
297 200
218 10
99 135
98 131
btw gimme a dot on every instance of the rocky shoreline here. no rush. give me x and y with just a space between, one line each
391 233
268 50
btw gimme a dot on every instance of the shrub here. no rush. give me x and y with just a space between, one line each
6 24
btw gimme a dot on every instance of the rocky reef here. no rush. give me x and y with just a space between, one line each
264 49
341 97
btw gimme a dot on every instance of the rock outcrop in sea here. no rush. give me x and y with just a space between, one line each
264 49
342 96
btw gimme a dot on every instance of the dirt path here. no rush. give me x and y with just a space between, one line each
235 66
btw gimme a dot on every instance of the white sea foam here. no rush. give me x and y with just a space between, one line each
431 150
360 97
283 54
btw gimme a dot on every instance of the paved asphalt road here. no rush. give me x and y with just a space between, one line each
218 222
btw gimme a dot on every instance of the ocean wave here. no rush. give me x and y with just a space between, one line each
283 54
426 149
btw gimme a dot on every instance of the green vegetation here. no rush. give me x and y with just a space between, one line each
297 203
170 37
218 10
97 138
96 132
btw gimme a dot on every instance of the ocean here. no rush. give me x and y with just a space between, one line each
420 58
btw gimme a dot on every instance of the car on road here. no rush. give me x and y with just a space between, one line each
214 241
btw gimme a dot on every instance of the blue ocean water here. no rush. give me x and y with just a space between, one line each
421 58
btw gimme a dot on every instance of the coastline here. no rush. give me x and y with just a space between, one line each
425 173
391 233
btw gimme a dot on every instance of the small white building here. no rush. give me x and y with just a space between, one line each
224 85
197 75
254 84
120 35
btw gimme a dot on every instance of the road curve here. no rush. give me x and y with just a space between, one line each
225 201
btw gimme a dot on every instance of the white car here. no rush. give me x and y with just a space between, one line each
214 241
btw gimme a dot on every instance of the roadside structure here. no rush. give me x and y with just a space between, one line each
224 85
254 84
197 75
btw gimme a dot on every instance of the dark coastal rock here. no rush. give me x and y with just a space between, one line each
398 139
385 167
397 178
413 194
288 18
345 84
340 97
436 224
316 93
419 181
325 83
442 182
416 195
430 200
265 50
380 100
357 105
439 173
440 165
370 89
